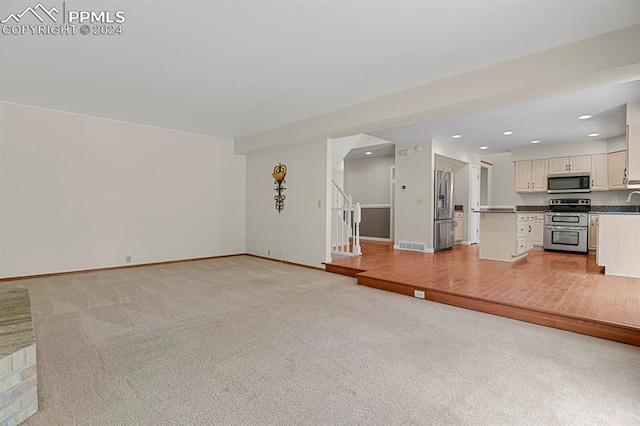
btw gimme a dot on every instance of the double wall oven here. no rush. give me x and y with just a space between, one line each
566 225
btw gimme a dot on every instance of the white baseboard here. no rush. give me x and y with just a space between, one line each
384 240
326 260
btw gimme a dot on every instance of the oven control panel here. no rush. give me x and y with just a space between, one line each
570 202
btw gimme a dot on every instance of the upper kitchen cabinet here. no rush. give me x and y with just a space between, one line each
531 176
599 177
570 164
633 156
445 167
618 170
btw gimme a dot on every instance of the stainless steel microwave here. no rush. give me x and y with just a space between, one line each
568 183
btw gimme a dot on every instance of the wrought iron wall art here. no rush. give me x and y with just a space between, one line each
279 172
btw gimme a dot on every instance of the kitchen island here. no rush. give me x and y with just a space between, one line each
619 244
505 235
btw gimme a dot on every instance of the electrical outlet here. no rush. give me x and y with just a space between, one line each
128 259
614 199
319 203
418 200
418 293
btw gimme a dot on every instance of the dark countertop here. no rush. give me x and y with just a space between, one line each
16 327
537 208
616 209
616 213
621 209
495 210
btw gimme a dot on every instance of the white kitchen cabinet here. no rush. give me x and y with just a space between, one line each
445 167
633 156
570 164
525 227
523 171
618 244
593 232
504 236
618 170
538 230
599 176
529 235
458 226
531 176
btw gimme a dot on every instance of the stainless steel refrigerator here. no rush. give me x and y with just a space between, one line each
443 215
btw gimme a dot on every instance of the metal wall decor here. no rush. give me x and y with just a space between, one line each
279 172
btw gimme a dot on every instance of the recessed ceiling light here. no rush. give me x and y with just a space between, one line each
456 136
585 117
507 133
368 153
536 141
484 147
593 135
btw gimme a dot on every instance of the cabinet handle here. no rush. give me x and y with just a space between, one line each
624 179
591 182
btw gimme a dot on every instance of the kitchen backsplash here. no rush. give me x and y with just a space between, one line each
594 209
598 198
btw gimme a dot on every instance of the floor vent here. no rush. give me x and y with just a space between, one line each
407 245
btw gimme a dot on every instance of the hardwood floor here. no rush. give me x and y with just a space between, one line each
560 290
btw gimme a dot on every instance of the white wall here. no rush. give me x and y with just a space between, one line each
502 182
340 147
80 192
633 113
368 181
484 186
298 233
461 186
414 205
617 144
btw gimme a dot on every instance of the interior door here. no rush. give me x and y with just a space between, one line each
392 210
474 202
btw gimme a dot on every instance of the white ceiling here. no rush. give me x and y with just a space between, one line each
551 121
380 150
234 68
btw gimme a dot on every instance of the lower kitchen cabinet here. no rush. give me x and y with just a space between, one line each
538 230
525 228
506 237
458 226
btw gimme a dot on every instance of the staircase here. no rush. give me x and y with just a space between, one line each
345 223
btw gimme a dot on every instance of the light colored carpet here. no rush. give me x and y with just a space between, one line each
249 341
